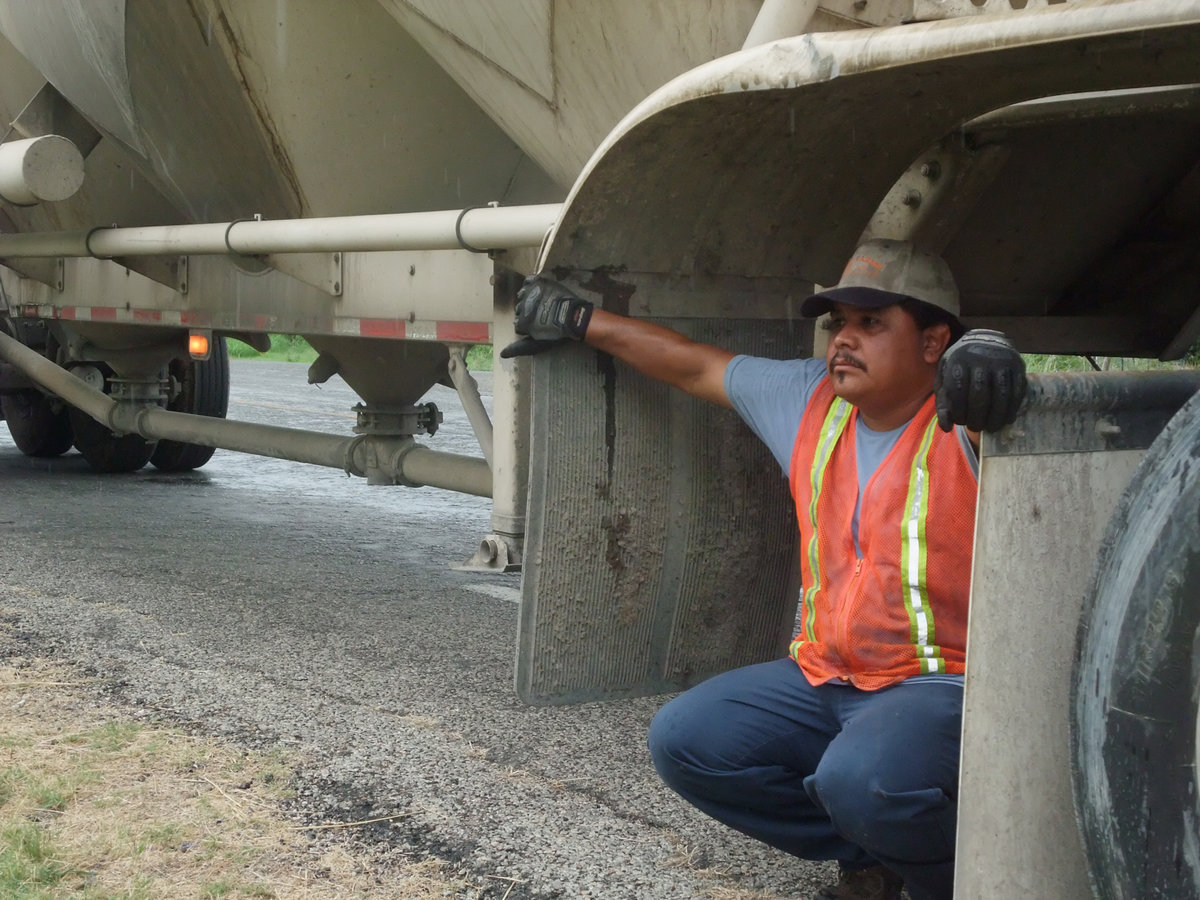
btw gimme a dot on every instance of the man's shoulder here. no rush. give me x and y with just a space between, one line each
765 369
784 379
771 395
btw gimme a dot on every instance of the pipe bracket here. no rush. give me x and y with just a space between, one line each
458 227
257 217
87 241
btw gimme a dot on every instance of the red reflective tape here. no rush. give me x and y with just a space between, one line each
104 314
67 312
389 328
474 332
147 315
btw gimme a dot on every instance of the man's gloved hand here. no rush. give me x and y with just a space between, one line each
548 313
980 382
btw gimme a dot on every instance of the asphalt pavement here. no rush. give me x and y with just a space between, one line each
279 604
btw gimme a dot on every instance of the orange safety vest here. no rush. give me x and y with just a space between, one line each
901 608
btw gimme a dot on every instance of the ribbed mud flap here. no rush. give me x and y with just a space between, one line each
660 543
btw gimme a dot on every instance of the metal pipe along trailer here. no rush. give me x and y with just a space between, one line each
380 175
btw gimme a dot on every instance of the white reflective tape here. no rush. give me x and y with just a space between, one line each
914 559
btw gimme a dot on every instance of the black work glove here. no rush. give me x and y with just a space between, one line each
980 382
548 313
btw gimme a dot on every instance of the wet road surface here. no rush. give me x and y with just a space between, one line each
278 603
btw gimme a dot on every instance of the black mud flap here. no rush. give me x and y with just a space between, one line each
660 544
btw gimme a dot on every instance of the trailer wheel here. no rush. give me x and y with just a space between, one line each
37 428
1137 681
205 392
104 451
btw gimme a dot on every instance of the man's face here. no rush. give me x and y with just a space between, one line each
879 360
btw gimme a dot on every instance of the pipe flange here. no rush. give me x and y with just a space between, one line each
396 464
348 464
141 426
402 421
153 391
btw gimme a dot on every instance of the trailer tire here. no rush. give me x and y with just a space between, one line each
205 392
37 428
1137 681
107 452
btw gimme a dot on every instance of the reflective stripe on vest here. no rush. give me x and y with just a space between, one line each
831 430
913 559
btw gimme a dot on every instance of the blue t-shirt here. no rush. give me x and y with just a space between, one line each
771 396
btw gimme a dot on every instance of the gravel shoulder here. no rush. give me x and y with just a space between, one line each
283 607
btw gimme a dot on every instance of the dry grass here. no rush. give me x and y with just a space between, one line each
94 805
724 893
686 856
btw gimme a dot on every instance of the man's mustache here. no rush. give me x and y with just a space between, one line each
845 359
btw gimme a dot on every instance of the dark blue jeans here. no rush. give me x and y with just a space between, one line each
827 772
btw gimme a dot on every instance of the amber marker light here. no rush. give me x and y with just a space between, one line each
199 345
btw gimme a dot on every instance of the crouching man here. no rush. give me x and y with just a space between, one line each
848 749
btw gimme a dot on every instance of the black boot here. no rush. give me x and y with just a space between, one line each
875 883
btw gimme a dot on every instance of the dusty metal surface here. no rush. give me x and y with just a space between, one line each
1095 411
556 75
1039 524
661 538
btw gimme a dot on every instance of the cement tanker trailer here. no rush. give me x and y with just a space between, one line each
379 175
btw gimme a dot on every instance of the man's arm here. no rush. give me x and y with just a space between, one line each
662 354
549 313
